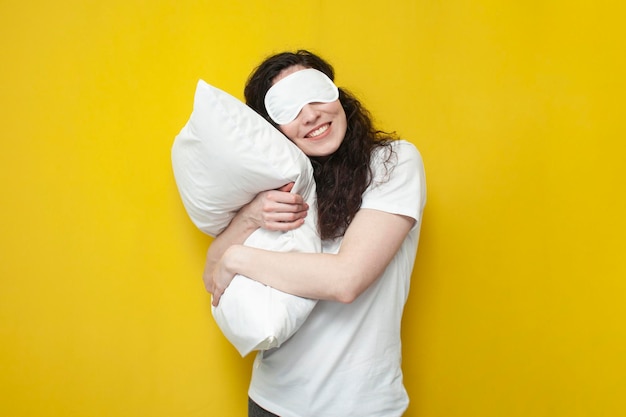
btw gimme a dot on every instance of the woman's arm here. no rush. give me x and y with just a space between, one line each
370 243
271 210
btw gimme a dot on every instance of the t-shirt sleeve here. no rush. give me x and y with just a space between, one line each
398 187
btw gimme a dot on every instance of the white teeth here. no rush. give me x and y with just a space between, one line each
318 132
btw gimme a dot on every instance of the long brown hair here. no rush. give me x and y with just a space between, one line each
342 177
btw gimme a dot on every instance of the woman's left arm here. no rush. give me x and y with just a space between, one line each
370 243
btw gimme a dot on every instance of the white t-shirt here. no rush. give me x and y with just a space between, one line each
345 359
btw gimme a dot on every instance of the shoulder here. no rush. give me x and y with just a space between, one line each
406 150
398 180
398 154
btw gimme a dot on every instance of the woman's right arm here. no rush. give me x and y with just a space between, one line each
271 210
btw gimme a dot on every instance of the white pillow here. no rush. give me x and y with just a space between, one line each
222 158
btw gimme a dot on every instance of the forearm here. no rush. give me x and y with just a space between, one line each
271 210
239 229
368 246
310 275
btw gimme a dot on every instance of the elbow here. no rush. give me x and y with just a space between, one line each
349 280
347 297
348 292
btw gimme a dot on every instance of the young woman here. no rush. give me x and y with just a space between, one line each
345 360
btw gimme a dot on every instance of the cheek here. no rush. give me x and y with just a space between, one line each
341 112
289 130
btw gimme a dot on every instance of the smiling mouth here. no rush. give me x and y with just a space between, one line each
319 131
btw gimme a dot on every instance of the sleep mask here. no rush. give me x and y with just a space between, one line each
287 97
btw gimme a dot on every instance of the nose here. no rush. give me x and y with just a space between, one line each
309 113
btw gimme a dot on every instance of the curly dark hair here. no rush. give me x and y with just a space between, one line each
342 177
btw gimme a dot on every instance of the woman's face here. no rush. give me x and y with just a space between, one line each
319 128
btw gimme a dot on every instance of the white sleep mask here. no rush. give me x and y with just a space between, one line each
287 97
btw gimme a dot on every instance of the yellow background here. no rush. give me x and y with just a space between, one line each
518 299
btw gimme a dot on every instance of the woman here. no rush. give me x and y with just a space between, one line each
345 359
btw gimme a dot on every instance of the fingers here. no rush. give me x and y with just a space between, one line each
278 209
207 279
283 197
283 220
281 210
284 217
286 211
283 226
216 299
216 293
287 187
271 206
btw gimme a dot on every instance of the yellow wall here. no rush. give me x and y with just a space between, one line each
517 306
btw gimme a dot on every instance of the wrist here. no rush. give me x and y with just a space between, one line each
231 259
249 222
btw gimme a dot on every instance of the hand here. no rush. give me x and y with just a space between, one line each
218 277
277 209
